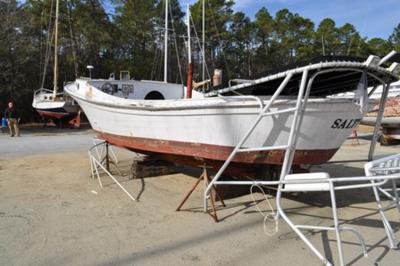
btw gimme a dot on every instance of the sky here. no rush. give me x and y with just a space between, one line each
372 18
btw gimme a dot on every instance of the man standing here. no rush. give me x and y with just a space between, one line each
12 117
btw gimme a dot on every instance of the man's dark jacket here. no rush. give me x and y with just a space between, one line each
11 113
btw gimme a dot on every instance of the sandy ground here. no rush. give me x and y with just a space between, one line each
53 213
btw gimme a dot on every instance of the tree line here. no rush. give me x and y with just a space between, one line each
130 37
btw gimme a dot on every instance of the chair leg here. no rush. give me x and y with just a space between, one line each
336 224
395 194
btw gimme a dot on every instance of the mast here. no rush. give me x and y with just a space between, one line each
190 66
203 39
189 36
166 42
56 49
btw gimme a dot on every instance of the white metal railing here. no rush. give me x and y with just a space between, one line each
312 67
246 97
313 182
387 165
301 103
238 147
331 183
46 91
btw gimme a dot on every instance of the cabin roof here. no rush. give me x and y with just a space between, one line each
344 77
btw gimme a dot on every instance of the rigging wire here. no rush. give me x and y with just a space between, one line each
200 47
176 43
220 39
50 36
74 57
153 67
41 46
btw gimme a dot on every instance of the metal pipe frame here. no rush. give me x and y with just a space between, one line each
301 103
97 163
385 166
353 65
296 124
379 117
246 97
287 166
244 138
387 57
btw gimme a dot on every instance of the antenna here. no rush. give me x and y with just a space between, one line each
89 67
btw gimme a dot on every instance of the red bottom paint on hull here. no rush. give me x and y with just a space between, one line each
195 154
54 115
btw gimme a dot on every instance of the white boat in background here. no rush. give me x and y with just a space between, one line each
50 103
55 106
394 91
391 117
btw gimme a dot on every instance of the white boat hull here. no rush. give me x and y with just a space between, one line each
210 128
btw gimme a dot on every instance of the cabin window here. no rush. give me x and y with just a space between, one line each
108 88
127 89
154 95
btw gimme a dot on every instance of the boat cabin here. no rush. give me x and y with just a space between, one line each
139 90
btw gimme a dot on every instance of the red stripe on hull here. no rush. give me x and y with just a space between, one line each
197 151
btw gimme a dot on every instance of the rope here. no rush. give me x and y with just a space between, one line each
269 217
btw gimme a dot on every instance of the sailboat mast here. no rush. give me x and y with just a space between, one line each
189 36
166 42
203 39
190 66
56 48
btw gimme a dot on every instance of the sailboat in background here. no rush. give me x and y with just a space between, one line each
51 103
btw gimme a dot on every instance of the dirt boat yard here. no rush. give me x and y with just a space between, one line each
53 213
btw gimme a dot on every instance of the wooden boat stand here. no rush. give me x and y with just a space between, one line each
214 193
355 140
76 121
